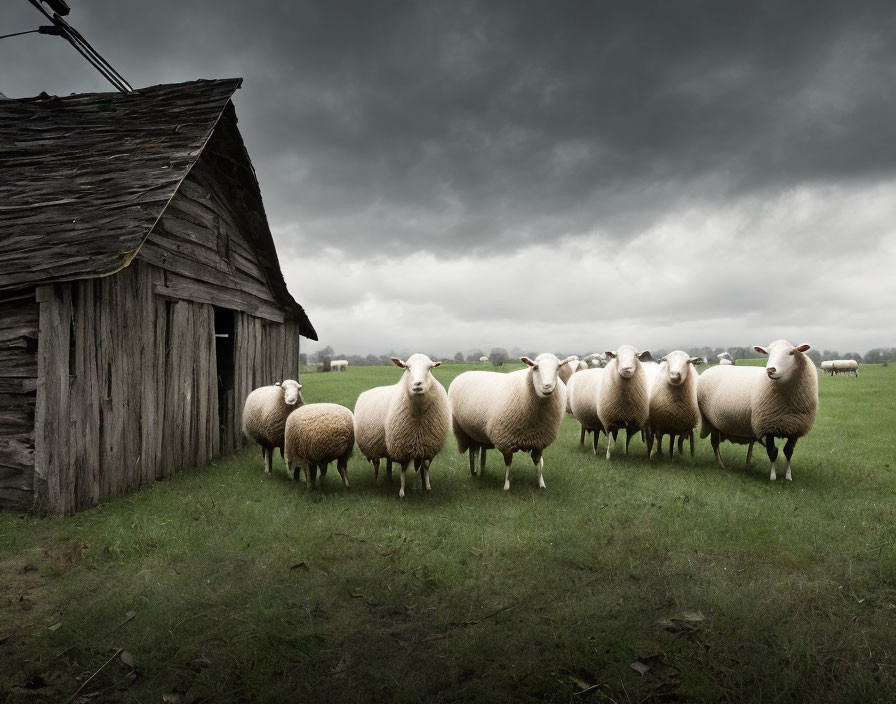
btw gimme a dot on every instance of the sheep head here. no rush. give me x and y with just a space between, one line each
543 372
782 359
628 359
676 366
291 392
417 377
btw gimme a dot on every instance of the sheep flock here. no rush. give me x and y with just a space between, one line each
408 423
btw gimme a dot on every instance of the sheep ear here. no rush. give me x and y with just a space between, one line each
696 360
759 349
437 364
276 383
645 356
610 355
299 385
527 361
803 348
398 363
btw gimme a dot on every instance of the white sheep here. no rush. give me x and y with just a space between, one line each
516 412
844 366
265 413
725 359
750 404
581 394
408 421
483 360
622 400
339 365
568 367
673 409
828 367
317 434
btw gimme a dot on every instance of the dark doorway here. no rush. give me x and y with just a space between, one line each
224 354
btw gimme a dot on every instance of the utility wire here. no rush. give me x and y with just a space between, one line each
16 34
83 47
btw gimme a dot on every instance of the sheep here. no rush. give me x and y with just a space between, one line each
264 416
418 419
581 399
622 399
567 368
516 412
844 366
370 427
725 359
317 434
828 367
752 404
339 365
483 360
672 404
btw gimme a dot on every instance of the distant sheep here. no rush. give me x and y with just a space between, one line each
567 368
673 409
483 360
265 413
516 412
725 359
842 366
750 404
339 365
622 400
317 434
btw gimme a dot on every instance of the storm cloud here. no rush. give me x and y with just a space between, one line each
558 175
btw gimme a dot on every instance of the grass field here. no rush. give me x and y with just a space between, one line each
625 581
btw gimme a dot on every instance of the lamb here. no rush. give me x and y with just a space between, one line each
750 404
317 434
516 412
582 401
673 406
264 416
407 421
622 400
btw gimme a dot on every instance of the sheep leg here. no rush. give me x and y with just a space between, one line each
628 438
376 468
681 444
304 470
650 436
611 442
595 438
539 464
750 452
508 458
691 439
582 436
472 460
788 453
404 468
342 468
659 444
268 454
671 445
772 454
388 470
482 461
714 439
426 464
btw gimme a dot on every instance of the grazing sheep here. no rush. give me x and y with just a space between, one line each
317 434
622 400
673 406
264 416
844 366
370 427
516 412
581 399
749 404
339 365
828 367
483 360
418 419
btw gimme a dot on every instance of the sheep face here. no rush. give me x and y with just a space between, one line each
628 359
676 366
543 372
290 391
781 359
417 377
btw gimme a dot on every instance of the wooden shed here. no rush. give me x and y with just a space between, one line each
141 298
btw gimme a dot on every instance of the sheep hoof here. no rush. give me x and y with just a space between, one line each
401 493
507 486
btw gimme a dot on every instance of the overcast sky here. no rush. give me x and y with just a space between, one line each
562 176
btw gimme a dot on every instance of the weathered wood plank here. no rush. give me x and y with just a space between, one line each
185 288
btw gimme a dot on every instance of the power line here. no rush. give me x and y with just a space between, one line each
83 47
16 34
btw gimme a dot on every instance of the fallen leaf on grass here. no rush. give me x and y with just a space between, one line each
175 696
641 667
127 658
54 627
296 566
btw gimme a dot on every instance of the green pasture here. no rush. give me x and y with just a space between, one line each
624 581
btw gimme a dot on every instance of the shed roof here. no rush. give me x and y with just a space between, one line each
85 178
